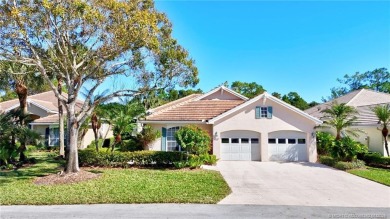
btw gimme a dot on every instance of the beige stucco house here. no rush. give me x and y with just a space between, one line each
43 109
364 100
260 129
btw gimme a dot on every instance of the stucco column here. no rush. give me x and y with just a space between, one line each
264 146
312 147
216 140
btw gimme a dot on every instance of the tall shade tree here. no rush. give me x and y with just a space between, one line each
294 99
340 117
377 79
87 42
383 114
249 90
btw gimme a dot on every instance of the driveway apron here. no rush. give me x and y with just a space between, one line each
304 184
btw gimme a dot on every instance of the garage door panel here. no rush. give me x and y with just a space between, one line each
240 146
289 149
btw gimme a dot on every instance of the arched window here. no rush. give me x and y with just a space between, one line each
172 145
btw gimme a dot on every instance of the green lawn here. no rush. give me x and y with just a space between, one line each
114 186
375 174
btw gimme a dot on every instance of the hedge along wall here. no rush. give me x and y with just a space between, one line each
90 157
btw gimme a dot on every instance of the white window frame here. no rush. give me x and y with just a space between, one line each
263 112
171 135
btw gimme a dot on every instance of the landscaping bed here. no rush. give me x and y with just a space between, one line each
113 185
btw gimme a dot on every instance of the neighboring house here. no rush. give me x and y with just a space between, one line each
262 129
43 110
364 101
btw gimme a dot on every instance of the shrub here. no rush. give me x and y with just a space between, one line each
208 159
327 160
347 149
193 139
90 157
349 165
147 136
324 142
376 159
100 143
130 145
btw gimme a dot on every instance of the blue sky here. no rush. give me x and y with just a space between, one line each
301 46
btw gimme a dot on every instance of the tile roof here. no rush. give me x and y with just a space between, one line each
363 100
46 100
47 119
194 110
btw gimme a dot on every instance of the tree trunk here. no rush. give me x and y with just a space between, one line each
72 165
385 133
95 128
338 135
21 91
61 120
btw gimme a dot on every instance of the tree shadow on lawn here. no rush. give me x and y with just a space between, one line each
43 167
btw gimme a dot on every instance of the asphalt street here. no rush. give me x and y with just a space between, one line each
187 211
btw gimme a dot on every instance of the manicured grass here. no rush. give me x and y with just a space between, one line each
114 186
375 174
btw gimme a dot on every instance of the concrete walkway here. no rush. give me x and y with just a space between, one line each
303 184
186 211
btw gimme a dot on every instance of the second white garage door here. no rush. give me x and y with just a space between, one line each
287 146
240 145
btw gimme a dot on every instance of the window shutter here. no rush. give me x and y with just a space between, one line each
47 134
269 113
163 139
257 112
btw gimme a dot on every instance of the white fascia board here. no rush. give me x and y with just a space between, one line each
266 95
171 122
225 89
42 107
43 123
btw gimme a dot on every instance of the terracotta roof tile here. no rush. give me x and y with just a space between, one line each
195 110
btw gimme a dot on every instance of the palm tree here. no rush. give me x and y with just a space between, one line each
383 114
340 117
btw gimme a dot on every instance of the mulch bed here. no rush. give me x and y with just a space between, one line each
55 179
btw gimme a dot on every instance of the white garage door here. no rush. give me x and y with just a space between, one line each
240 145
287 146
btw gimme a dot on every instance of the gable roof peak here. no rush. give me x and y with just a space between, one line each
240 96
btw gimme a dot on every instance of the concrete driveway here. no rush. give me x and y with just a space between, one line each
304 184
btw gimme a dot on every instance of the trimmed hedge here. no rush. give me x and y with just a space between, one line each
327 160
375 159
89 157
330 161
349 165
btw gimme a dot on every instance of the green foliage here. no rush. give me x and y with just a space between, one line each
249 90
89 157
375 174
383 114
294 99
375 159
349 165
114 185
195 161
327 160
378 80
325 142
340 117
100 143
130 145
10 128
147 136
208 159
347 149
193 139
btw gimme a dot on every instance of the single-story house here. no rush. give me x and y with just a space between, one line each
43 110
264 128
364 100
